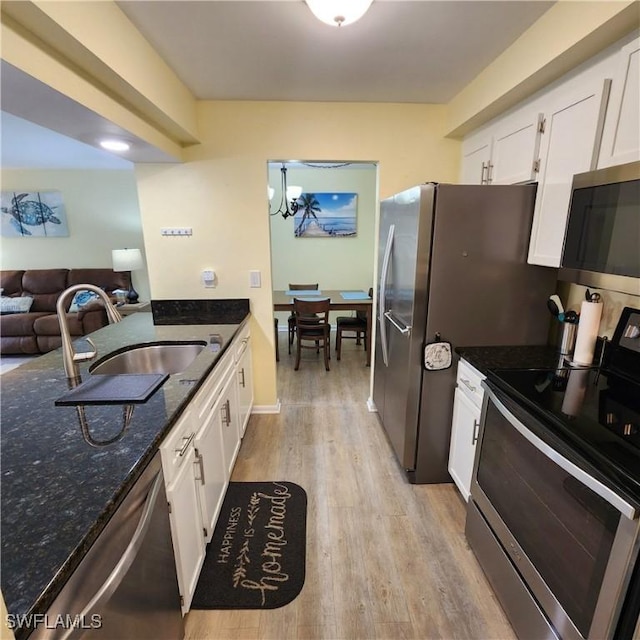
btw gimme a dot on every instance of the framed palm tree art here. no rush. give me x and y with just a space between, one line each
326 215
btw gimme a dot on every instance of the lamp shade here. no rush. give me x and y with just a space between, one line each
294 192
126 259
338 13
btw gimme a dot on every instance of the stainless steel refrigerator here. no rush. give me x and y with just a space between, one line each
452 270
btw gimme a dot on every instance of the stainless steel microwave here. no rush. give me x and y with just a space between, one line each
602 238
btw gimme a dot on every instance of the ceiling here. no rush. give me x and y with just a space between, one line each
420 51
400 51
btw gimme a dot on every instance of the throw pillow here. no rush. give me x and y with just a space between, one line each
82 299
15 305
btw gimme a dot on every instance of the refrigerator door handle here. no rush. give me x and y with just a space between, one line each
383 294
404 329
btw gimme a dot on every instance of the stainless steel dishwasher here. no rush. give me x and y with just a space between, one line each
126 587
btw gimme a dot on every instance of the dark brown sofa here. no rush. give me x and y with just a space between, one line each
38 331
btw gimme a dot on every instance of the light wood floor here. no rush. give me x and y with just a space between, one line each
385 559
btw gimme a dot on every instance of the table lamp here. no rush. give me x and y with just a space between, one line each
128 260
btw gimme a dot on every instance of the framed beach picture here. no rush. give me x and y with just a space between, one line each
37 214
326 215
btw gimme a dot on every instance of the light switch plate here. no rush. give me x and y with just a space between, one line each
255 279
209 278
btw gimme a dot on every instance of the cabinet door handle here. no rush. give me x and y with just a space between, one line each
200 463
482 178
185 446
467 384
226 417
242 380
489 172
476 429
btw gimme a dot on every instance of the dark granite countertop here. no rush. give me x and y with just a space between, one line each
485 359
58 491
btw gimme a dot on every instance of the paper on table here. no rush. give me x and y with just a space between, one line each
354 295
303 292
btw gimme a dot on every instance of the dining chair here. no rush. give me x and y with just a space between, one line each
355 326
292 317
312 325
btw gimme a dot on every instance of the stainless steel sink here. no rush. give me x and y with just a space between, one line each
167 357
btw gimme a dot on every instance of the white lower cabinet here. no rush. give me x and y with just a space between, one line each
186 528
198 457
229 424
212 474
244 373
467 407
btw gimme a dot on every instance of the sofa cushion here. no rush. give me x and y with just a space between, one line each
15 304
20 345
21 324
11 282
44 286
48 343
49 325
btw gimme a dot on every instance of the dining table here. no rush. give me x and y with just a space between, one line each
340 300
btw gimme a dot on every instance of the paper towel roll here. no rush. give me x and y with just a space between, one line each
590 314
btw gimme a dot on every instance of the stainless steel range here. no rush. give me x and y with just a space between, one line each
555 497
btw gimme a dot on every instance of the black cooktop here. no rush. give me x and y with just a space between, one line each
594 410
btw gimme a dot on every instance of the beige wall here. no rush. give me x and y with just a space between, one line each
334 263
102 214
220 191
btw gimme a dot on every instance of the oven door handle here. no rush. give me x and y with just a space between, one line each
626 509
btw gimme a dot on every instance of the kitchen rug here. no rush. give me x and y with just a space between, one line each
256 557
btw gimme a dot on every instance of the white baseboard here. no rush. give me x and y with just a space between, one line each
371 405
266 408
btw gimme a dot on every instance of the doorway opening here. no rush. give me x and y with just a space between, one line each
324 232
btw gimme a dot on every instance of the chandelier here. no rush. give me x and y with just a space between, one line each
338 13
288 196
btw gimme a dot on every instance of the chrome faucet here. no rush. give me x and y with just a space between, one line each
69 357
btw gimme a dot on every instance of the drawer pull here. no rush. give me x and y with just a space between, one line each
185 446
242 382
469 386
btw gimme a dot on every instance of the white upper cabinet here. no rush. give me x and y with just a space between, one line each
621 135
476 157
507 153
570 145
585 120
515 148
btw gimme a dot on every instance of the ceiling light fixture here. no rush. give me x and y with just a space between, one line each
114 145
288 196
338 13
